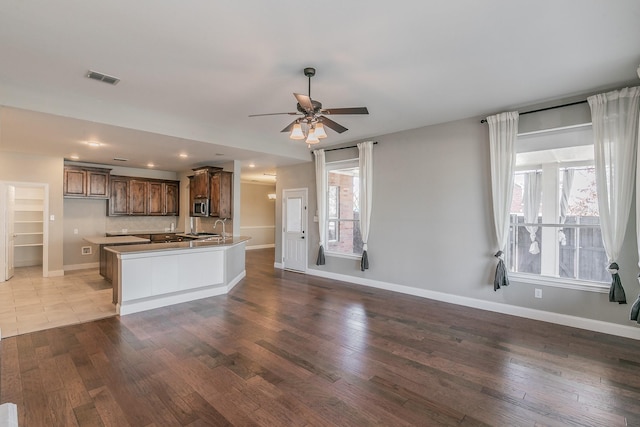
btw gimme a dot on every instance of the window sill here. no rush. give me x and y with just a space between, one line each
558 282
339 255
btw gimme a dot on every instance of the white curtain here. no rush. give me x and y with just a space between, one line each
503 130
532 198
567 183
615 129
365 162
321 196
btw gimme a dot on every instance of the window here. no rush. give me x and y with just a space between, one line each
333 215
343 212
555 224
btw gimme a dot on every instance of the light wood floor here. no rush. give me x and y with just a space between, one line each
30 302
285 349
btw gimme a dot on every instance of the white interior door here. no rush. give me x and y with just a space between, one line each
294 229
9 229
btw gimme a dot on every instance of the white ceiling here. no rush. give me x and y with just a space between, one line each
192 71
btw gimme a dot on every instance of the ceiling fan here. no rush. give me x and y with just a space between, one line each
313 116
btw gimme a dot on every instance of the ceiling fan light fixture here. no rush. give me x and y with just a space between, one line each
296 132
312 138
319 131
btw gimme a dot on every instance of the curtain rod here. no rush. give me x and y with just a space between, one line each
344 148
545 109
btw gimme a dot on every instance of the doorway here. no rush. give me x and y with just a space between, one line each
23 227
294 227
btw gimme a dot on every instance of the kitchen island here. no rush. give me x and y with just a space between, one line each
154 275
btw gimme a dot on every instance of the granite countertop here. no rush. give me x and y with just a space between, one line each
115 240
200 243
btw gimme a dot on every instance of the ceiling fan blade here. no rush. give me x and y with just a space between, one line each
288 128
304 101
272 114
333 125
352 110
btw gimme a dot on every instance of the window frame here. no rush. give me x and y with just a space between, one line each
329 167
548 280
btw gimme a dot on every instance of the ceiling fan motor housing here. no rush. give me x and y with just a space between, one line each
317 106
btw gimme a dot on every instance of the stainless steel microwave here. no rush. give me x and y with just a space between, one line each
201 207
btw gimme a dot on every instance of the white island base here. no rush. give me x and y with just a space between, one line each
158 275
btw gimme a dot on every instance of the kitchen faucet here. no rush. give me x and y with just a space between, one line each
215 224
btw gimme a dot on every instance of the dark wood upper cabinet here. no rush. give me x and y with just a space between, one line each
138 194
200 184
164 198
142 196
119 198
221 201
216 185
156 198
86 182
172 198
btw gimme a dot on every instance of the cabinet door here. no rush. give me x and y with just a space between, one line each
214 185
172 198
226 192
221 184
200 184
119 196
156 198
75 183
138 194
97 184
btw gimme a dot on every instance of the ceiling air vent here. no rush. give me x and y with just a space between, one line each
102 77
120 159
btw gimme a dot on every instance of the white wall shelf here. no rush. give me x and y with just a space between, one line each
28 226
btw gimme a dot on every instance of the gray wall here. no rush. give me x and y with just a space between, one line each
432 223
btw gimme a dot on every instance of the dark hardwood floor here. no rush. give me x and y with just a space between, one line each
285 349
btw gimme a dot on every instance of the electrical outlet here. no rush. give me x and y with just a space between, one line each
75 231
538 293
86 250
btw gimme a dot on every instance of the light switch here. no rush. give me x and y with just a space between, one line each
75 231
52 217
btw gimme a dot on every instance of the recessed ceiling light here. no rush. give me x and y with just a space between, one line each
151 165
93 144
183 155
74 157
251 165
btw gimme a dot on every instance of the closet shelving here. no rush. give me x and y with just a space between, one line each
28 225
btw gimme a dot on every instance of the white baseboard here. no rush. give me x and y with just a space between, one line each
143 304
136 306
236 280
279 265
73 267
529 313
272 245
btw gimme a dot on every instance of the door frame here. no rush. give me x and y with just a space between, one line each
305 221
45 224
